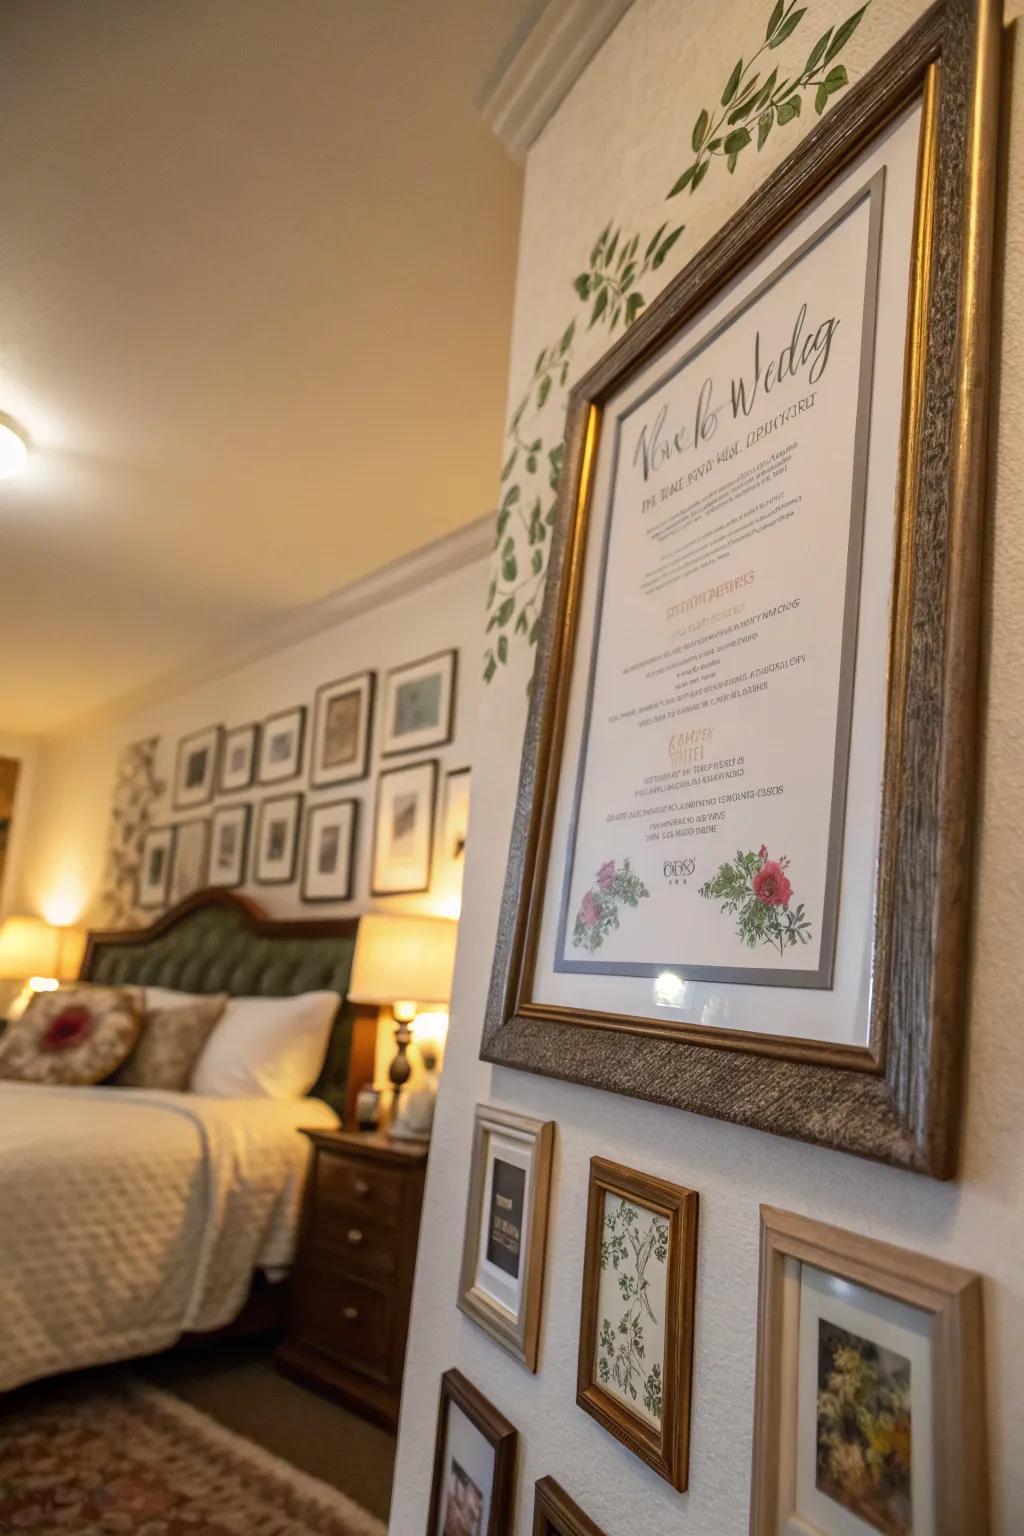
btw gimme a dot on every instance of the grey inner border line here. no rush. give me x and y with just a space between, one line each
873 192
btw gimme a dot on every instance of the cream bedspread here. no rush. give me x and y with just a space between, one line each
128 1217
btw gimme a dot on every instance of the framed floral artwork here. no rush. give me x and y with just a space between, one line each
154 874
229 845
555 1514
277 839
636 1320
869 1403
328 863
281 742
403 834
342 730
191 858
238 758
195 769
475 1448
502 1277
737 876
419 704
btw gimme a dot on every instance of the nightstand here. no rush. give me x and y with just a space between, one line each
348 1317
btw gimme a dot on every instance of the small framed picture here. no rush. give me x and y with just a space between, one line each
195 770
506 1228
328 863
238 758
455 816
555 1514
869 1404
419 704
281 742
277 839
229 845
191 856
474 1464
342 727
403 834
154 876
636 1323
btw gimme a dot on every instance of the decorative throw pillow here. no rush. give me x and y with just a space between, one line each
74 1036
170 1043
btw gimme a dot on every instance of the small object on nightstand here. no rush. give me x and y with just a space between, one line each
416 1118
368 1109
348 1318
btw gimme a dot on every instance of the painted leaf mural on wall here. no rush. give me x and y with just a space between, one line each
764 91
137 792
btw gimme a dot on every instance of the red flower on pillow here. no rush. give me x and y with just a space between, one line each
69 1028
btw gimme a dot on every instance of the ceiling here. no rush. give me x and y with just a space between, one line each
256 275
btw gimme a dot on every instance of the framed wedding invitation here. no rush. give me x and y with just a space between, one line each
749 751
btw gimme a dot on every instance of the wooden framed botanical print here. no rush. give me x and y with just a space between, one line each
502 1277
281 742
191 857
403 834
869 1405
154 875
766 549
238 758
555 1514
329 859
229 845
474 1464
342 728
195 769
636 1320
277 839
419 704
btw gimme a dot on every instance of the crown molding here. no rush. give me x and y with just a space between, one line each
433 562
543 60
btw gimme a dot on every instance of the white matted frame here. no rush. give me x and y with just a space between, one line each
191 858
156 861
195 769
419 704
910 1308
502 1280
342 730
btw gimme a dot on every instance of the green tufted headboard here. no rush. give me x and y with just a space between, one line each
216 941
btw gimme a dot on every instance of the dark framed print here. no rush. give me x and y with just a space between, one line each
195 770
328 865
342 730
153 887
419 704
711 900
403 833
238 758
636 1315
229 845
455 815
502 1279
555 1514
475 1449
191 857
277 839
281 742
869 1404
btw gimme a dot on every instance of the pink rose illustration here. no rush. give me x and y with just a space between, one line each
590 914
606 874
69 1028
771 885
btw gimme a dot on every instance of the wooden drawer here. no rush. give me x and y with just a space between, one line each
358 1247
359 1186
340 1317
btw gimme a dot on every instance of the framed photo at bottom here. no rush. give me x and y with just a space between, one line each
230 845
327 864
403 834
474 1464
869 1405
636 1322
277 839
191 857
555 1514
154 877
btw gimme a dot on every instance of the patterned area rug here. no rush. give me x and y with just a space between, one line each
130 1459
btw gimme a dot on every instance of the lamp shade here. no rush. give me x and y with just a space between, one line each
403 958
31 947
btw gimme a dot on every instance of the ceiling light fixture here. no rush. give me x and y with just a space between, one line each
13 448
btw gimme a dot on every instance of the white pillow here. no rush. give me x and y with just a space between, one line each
266 1047
166 997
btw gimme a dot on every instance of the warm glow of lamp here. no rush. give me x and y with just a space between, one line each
42 956
13 449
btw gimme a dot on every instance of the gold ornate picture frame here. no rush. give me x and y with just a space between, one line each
893 1093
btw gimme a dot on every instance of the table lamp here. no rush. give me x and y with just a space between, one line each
40 955
405 964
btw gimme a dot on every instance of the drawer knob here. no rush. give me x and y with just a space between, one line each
350 1313
362 1188
354 1236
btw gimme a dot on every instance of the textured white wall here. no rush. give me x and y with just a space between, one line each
613 150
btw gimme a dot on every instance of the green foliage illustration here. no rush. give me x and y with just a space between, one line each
598 914
757 891
754 102
631 1242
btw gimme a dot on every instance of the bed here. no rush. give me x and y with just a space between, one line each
131 1217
